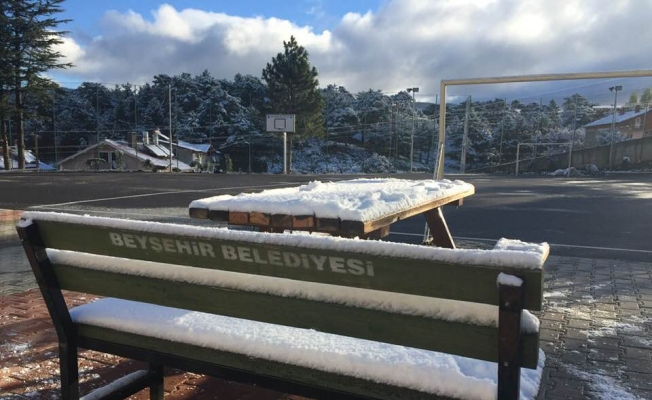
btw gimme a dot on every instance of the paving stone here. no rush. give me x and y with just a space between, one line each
628 305
604 355
578 345
640 381
552 325
579 323
574 357
604 343
637 365
644 342
605 368
574 333
553 316
567 388
634 352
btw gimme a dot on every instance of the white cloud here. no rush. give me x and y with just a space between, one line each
404 43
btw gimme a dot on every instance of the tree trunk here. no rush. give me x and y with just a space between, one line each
20 126
5 147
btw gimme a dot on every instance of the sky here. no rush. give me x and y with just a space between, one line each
388 45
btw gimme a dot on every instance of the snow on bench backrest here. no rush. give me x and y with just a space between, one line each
460 274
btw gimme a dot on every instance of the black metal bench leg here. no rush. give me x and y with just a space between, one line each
156 388
69 371
509 336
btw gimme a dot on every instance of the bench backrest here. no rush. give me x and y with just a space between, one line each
386 292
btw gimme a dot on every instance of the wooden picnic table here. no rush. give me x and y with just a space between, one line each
362 208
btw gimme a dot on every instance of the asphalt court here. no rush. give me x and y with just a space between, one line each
606 217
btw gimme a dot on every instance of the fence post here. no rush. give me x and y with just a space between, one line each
518 150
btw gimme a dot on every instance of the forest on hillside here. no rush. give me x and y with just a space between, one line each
230 113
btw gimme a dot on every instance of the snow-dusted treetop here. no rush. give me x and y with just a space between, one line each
357 199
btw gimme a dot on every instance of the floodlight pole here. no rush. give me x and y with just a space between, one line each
170 121
613 123
413 90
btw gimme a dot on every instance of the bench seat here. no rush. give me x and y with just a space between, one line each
354 365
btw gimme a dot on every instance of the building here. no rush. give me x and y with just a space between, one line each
633 124
31 163
189 153
118 155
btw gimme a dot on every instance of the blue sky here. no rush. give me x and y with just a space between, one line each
316 13
361 44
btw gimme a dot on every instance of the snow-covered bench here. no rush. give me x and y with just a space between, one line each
317 316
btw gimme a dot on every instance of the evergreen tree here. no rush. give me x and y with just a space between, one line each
30 26
554 114
633 99
294 89
646 96
577 111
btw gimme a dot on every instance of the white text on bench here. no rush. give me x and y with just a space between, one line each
279 258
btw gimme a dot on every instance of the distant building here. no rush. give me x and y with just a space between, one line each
632 124
202 153
30 161
118 155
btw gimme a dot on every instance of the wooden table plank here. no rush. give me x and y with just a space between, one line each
260 219
390 219
303 222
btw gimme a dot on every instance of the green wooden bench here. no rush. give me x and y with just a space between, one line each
388 293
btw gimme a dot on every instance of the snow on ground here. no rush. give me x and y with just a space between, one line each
602 387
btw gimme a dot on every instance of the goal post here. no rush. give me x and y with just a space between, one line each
518 152
439 165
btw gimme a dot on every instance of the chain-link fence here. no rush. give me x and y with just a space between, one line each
221 127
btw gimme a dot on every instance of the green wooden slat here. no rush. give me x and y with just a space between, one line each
259 366
449 337
395 274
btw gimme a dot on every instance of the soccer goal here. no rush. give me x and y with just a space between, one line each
535 145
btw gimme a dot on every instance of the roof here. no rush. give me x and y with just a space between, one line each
132 152
158 150
619 118
199 147
30 161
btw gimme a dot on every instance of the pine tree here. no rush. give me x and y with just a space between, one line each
30 28
294 89
646 97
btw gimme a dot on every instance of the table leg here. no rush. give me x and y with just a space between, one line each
441 236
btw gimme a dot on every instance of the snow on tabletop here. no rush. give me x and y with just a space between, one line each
531 256
427 371
355 200
449 310
509 280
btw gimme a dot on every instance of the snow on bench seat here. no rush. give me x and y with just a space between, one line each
427 371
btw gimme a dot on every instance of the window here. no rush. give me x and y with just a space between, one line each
637 123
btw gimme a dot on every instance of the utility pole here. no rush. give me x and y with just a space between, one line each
502 132
170 121
97 118
465 137
413 90
614 89
54 127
